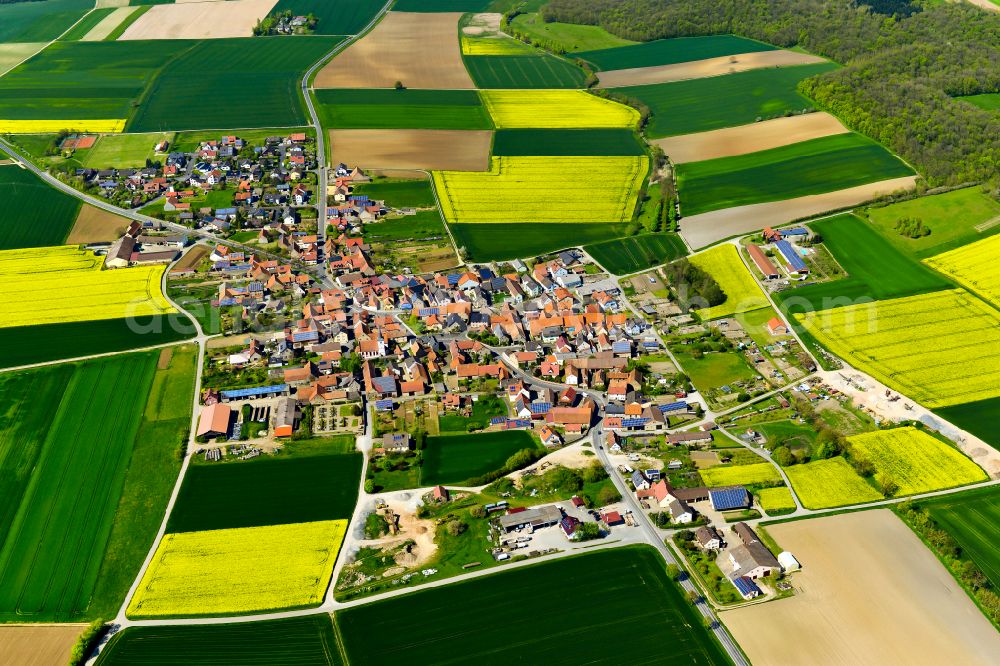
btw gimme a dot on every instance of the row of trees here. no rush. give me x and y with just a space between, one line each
901 76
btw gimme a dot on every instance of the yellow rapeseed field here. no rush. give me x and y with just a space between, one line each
975 266
823 484
740 475
51 285
556 109
939 349
543 189
775 499
494 45
239 571
915 461
743 294
44 126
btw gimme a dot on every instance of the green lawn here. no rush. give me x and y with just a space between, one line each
125 150
715 102
715 369
875 269
973 519
457 459
810 167
503 241
792 434
304 641
39 21
626 586
672 51
987 101
636 253
67 484
566 142
344 17
267 491
34 214
398 192
507 72
952 218
482 411
402 109
565 36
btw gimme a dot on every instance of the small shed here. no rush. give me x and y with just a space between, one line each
788 562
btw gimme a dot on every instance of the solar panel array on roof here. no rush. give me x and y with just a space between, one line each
622 346
729 498
497 420
518 423
305 336
634 423
746 586
453 279
423 312
673 406
253 392
383 405
790 255
540 407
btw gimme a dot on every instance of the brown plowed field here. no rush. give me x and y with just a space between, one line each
40 645
94 225
199 20
453 150
708 228
869 592
744 139
699 69
421 50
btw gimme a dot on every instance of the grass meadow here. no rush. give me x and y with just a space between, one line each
35 215
628 585
569 37
810 167
605 141
671 51
700 105
267 491
304 641
401 109
533 72
425 224
455 459
973 519
65 506
986 101
399 193
345 17
715 369
125 150
504 241
636 253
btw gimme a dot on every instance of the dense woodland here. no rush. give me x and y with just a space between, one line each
901 75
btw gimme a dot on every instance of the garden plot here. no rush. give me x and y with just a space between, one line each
731 64
939 349
453 150
869 593
199 20
764 135
419 50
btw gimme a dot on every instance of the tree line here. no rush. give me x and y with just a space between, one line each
901 76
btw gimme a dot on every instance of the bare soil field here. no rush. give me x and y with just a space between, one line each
199 20
869 592
699 69
732 141
108 24
37 645
94 225
483 24
192 258
112 3
419 49
11 55
458 150
708 228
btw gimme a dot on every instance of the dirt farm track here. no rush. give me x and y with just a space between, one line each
869 592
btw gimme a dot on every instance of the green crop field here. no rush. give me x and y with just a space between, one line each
565 36
810 167
979 418
973 519
441 5
987 101
34 214
24 345
952 217
507 72
344 17
636 253
606 141
626 586
875 269
671 51
502 241
455 459
79 454
425 224
266 491
401 109
86 24
304 641
399 193
715 102
124 150
85 80
39 21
